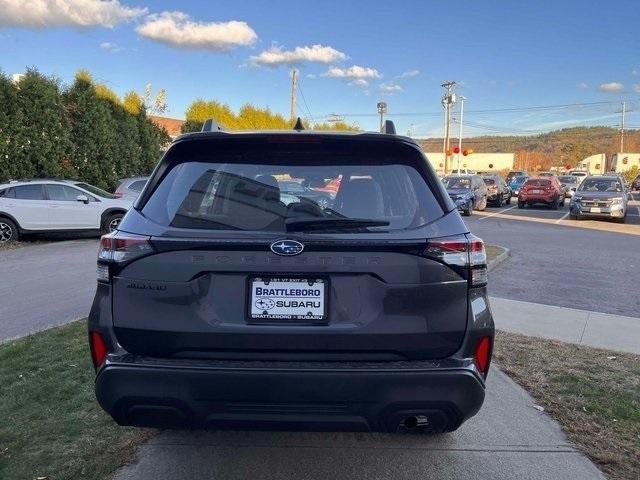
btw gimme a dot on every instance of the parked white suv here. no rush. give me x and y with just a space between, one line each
37 206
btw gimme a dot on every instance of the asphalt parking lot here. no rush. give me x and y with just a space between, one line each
587 264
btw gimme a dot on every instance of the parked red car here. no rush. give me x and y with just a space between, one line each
545 190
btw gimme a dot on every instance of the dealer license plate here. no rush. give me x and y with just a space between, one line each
288 299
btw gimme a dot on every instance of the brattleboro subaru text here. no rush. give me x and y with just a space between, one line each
227 301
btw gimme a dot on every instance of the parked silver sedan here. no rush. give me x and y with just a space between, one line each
130 188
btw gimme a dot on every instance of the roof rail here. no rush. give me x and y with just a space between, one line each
210 125
388 127
298 126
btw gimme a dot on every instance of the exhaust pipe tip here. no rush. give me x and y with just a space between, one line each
418 421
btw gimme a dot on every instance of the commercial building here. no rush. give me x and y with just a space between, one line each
476 162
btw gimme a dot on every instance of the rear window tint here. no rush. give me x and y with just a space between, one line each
537 183
268 195
29 192
137 186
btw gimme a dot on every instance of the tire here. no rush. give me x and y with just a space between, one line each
111 223
467 211
508 202
499 201
9 231
520 204
554 204
621 220
563 201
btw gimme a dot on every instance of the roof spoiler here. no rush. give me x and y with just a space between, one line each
210 125
388 127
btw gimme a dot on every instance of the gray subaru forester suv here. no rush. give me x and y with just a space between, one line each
223 303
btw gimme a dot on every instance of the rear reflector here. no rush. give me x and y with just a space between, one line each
482 355
98 348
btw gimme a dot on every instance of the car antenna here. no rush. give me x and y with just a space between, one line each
298 126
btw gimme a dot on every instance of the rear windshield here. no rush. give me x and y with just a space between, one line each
489 181
518 179
537 183
451 183
600 185
568 179
286 193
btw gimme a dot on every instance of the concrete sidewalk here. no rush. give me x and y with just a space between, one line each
508 439
599 330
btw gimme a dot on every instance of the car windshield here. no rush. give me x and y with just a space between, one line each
568 179
489 181
537 183
600 185
518 180
272 196
452 183
95 190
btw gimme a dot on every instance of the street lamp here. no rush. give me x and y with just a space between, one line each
382 109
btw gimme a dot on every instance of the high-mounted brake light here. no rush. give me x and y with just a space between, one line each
461 252
98 348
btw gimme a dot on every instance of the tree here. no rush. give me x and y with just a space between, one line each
9 127
43 139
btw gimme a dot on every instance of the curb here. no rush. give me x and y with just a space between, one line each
499 259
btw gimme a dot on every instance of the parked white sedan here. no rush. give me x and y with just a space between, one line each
37 206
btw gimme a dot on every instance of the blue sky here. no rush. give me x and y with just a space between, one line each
504 53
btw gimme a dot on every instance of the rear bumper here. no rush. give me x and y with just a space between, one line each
175 394
537 198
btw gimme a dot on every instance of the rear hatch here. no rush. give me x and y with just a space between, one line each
225 265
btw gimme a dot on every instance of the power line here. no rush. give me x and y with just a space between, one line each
492 110
304 100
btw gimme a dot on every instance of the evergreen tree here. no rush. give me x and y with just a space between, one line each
43 139
9 122
93 133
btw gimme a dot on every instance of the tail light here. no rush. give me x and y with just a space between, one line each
463 253
482 355
119 247
118 194
98 349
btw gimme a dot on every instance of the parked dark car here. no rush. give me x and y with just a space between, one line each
218 306
635 185
498 192
323 199
541 190
600 196
516 184
515 173
468 192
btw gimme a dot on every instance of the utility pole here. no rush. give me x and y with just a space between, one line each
294 92
462 99
448 99
624 105
382 109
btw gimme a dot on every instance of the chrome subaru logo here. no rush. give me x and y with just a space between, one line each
287 247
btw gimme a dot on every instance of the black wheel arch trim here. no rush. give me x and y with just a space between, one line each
111 211
13 219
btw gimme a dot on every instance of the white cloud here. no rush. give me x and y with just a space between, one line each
178 30
582 86
636 88
110 47
611 87
312 76
352 73
277 56
635 72
65 13
409 73
390 88
359 82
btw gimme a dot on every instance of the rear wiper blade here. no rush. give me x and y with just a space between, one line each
310 224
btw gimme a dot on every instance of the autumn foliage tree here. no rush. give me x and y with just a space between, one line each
248 117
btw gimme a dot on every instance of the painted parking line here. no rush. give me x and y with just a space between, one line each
562 217
484 217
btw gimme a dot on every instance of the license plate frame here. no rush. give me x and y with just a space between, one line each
595 210
281 282
536 191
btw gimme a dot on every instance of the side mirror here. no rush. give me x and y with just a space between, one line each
82 198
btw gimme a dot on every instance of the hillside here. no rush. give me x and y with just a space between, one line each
560 147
